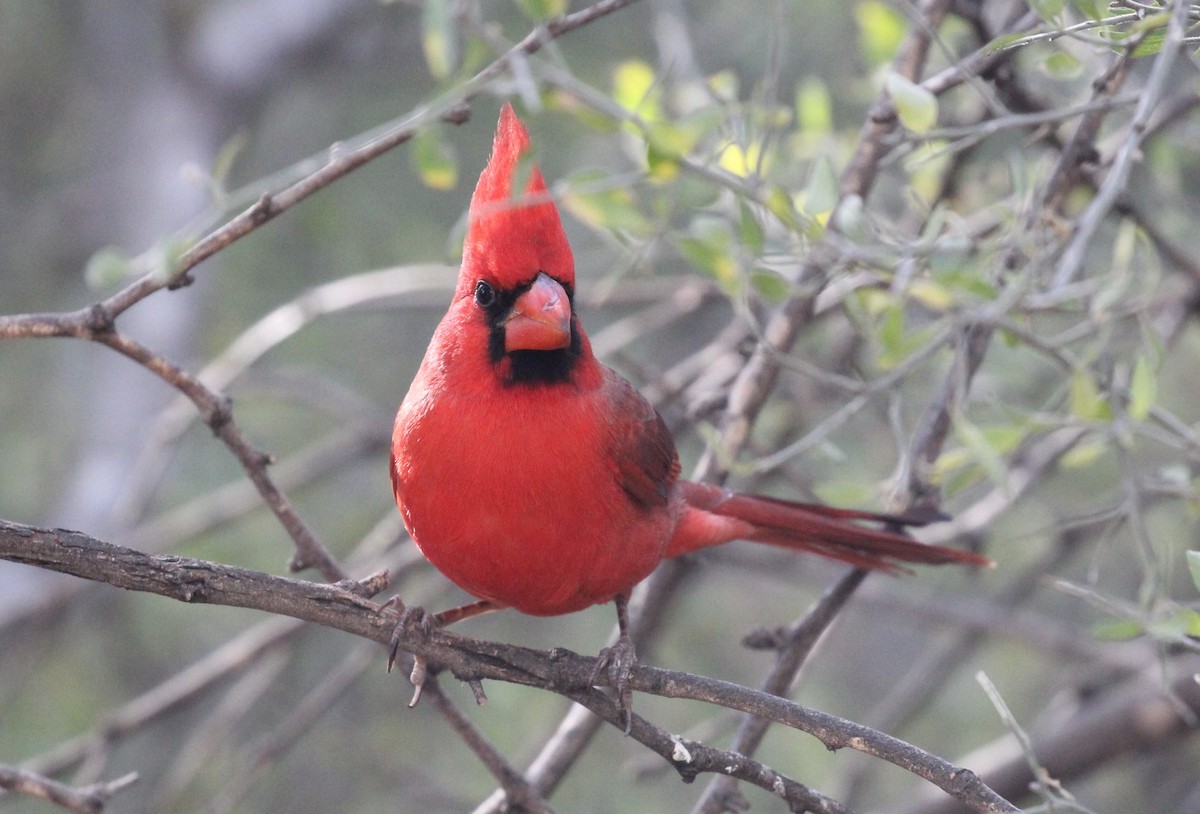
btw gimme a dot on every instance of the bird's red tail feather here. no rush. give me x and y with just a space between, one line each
811 527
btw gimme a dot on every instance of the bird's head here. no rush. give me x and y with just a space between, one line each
517 268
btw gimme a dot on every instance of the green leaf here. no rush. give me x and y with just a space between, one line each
667 143
881 28
1117 630
1048 10
543 9
724 86
439 37
814 107
1193 561
1143 389
590 198
750 231
1061 65
1092 9
1083 454
779 203
708 248
769 285
1183 622
981 449
107 268
433 159
821 192
633 85
916 106
1087 402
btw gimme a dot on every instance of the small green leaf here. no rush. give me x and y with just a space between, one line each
779 203
982 450
1183 622
1193 561
1048 10
916 106
543 9
1083 454
433 159
439 37
107 268
633 85
1087 402
1061 65
814 107
1117 630
1143 389
724 86
750 231
821 192
740 161
769 285
666 144
708 248
881 28
591 199
1092 9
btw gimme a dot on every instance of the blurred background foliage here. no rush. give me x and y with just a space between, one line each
696 150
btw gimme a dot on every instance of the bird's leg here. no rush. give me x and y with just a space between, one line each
418 617
615 663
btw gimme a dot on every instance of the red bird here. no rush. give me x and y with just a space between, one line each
535 477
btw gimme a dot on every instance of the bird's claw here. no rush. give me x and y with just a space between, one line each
612 669
411 618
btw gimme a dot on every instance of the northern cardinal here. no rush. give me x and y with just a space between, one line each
537 478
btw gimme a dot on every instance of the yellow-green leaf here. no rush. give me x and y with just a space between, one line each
1193 561
1048 10
880 28
1117 630
821 192
931 294
107 268
1087 402
1083 454
543 9
769 285
740 161
592 201
1183 622
633 85
814 107
1143 389
1061 65
439 37
1092 9
916 106
434 160
986 455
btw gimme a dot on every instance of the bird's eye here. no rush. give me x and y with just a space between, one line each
485 295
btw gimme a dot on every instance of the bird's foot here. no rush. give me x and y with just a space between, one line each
411 619
612 669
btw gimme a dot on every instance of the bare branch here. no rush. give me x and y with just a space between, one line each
84 800
343 607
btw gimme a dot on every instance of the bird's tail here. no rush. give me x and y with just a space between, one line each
717 515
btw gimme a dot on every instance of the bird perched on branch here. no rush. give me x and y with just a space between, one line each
536 478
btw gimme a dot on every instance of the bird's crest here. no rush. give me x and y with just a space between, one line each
511 236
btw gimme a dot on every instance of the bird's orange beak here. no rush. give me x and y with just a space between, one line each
540 318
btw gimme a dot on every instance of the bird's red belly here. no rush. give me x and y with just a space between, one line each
544 528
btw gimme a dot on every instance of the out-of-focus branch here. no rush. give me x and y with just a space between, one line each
84 800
